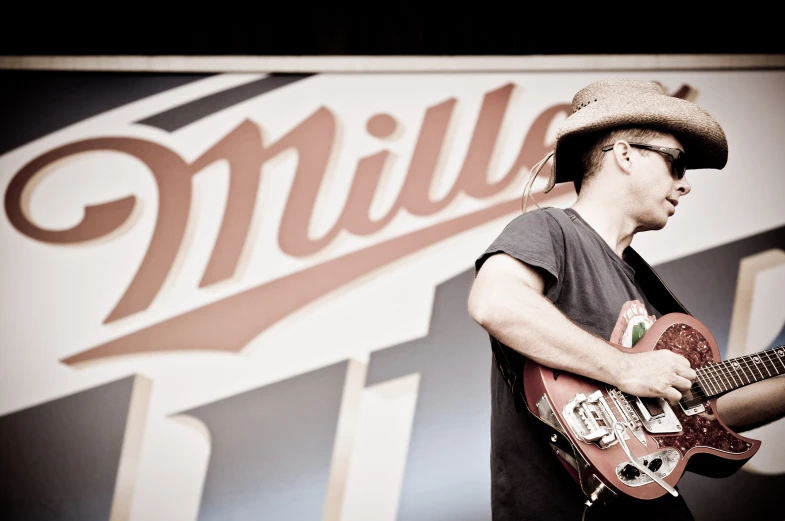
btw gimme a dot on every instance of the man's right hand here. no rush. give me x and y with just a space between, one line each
657 374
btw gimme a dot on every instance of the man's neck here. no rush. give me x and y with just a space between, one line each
608 220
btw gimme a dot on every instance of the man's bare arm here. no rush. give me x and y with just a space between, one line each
507 300
754 405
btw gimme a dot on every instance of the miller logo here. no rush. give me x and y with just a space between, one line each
215 326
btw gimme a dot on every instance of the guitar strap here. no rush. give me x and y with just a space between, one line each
652 285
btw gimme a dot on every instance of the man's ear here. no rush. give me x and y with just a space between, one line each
622 155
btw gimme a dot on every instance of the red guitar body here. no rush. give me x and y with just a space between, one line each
667 440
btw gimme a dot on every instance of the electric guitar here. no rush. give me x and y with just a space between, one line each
615 443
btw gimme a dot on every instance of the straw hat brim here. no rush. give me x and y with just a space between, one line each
701 136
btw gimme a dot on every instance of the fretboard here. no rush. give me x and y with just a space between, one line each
719 378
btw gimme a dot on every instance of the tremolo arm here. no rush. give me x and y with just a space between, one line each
619 429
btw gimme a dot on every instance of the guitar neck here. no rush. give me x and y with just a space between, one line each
719 378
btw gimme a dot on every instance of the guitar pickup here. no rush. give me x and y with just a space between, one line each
651 408
692 410
692 403
591 419
657 416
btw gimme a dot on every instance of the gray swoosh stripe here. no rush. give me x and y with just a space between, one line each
178 117
37 103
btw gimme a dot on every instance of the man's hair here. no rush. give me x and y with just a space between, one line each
590 148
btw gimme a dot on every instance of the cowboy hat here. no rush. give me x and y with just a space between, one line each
613 103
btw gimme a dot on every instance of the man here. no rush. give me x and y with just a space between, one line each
556 286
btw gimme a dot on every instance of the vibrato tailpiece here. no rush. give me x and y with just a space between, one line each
591 419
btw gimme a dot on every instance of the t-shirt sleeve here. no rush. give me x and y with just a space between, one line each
534 238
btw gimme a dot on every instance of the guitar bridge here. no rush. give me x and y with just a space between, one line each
591 419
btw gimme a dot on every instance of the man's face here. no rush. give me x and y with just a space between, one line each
656 187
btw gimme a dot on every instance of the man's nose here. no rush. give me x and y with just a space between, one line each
682 186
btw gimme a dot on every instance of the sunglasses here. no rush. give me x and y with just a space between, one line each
678 158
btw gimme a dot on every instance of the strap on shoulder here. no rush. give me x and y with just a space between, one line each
652 285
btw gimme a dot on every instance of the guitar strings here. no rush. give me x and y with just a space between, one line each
724 377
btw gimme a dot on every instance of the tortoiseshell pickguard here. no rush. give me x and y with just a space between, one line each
703 429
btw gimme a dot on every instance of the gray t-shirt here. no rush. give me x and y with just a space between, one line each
596 289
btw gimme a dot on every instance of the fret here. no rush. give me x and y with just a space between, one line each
756 364
775 359
780 353
721 374
717 376
728 376
746 360
770 362
720 370
743 371
734 365
714 386
759 360
704 385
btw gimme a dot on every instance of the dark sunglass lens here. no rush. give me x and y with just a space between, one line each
679 167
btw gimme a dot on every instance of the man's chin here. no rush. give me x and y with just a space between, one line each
655 225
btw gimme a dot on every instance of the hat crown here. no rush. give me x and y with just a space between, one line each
614 88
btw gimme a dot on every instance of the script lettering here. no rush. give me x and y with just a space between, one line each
313 141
